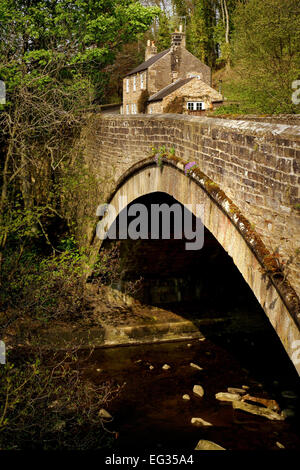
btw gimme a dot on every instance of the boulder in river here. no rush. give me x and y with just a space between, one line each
239 391
198 390
225 396
208 445
257 410
272 404
200 422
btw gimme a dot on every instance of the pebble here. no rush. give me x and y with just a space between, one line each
195 366
99 370
245 387
186 397
202 339
200 422
189 345
151 367
281 446
198 390
166 367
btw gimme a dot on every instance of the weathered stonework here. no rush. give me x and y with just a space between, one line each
257 165
194 90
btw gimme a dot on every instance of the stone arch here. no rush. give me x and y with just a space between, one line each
260 269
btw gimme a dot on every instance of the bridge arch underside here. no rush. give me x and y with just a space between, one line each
171 180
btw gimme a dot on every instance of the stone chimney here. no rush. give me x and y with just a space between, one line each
151 50
178 38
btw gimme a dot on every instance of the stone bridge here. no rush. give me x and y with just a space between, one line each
247 177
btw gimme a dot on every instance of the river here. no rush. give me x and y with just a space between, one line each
150 412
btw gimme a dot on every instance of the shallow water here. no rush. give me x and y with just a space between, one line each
151 414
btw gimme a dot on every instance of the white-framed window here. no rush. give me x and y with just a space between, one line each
134 83
135 109
142 81
132 109
195 105
127 85
127 108
150 110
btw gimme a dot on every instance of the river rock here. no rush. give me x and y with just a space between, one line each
245 387
202 339
257 410
198 390
195 366
289 394
166 367
281 446
151 367
272 404
186 397
104 414
225 396
239 391
200 422
288 413
208 445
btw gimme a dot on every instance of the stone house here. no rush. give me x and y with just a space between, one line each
169 81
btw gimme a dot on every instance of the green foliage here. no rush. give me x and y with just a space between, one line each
163 37
47 404
44 288
266 53
65 41
197 33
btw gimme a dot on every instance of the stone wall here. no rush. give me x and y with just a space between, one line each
256 164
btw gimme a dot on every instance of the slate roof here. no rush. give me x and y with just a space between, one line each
145 65
158 96
202 90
